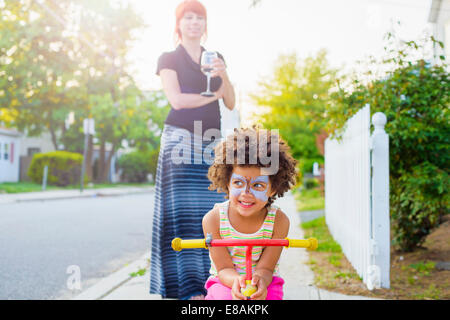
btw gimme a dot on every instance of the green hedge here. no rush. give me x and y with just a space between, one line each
64 168
311 183
137 165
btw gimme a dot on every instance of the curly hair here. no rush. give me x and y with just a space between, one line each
243 148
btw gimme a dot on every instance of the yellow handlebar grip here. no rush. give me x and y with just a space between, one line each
249 289
178 244
310 244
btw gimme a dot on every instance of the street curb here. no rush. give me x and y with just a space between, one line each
72 194
114 281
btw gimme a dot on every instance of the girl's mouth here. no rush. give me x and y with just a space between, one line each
246 205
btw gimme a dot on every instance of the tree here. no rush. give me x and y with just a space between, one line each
295 100
59 57
37 71
254 3
126 118
414 96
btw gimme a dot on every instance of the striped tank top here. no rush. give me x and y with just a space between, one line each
238 253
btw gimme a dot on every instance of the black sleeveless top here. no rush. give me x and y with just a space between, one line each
191 80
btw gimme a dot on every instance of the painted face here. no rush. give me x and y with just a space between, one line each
257 186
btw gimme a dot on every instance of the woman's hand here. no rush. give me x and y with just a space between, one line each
219 68
238 283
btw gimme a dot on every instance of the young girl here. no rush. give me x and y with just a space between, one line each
247 214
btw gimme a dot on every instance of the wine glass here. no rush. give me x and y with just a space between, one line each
206 62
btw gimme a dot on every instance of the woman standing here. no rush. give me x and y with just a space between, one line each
182 196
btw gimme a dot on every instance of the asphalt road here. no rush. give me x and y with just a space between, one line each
42 243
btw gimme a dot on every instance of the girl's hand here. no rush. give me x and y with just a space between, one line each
238 283
260 283
219 68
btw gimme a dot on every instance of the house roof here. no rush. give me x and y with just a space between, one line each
9 132
434 11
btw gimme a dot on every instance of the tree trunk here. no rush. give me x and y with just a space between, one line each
53 134
101 161
89 155
107 165
320 141
52 131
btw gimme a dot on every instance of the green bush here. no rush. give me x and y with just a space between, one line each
137 165
306 165
64 168
418 203
311 183
414 96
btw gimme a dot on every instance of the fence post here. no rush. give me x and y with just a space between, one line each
380 199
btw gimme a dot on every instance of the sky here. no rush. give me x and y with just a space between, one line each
252 38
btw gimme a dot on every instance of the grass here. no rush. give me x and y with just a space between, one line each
431 293
335 260
329 264
18 187
138 273
309 200
422 267
318 229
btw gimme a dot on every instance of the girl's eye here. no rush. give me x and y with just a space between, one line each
259 186
238 183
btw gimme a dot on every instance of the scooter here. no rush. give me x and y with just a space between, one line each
179 244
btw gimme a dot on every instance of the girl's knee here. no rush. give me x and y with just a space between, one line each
218 292
275 289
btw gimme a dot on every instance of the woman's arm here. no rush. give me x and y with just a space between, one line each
229 98
180 100
263 274
228 91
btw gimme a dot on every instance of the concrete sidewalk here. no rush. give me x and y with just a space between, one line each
298 276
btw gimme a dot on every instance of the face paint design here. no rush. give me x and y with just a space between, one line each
251 186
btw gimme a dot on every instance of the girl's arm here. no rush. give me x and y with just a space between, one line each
228 276
263 274
180 100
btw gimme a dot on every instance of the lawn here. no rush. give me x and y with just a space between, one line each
17 187
309 199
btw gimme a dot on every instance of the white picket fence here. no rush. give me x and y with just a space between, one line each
357 196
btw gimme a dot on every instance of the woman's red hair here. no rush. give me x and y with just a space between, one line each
188 6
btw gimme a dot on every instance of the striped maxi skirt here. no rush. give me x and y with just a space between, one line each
182 199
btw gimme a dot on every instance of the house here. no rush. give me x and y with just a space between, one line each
440 17
9 155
